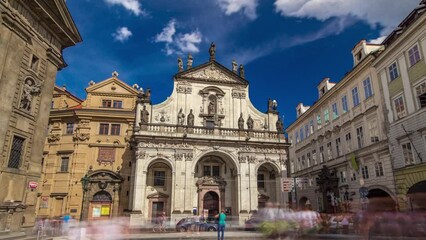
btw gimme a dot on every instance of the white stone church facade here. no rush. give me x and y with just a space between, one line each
206 148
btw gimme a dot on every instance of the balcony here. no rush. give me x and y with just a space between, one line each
179 131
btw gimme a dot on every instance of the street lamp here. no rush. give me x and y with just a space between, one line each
84 181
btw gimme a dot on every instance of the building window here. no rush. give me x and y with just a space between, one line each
379 169
298 166
393 71
117 104
211 171
360 137
319 121
334 109
348 142
321 149
421 94
338 147
106 103
115 129
159 178
302 136
353 176
16 152
364 171
314 156
408 153
308 156
414 55
372 127
355 96
368 90
343 176
303 162
311 126
345 104
329 151
307 130
326 116
399 107
34 63
70 128
297 136
64 163
260 181
103 129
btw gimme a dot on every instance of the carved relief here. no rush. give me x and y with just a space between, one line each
53 138
184 89
31 88
81 136
238 94
211 73
140 154
162 117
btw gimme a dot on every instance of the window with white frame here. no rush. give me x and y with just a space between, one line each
303 162
353 176
364 171
292 166
355 96
326 116
291 139
307 130
338 153
372 128
393 71
297 136
319 123
399 106
378 166
414 55
368 89
299 166
64 163
408 153
302 136
314 157
70 128
421 94
345 104
308 157
334 109
348 142
343 176
360 137
329 151
321 149
311 126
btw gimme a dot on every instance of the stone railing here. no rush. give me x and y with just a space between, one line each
197 131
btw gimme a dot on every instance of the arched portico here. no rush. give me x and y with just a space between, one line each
379 200
417 196
268 183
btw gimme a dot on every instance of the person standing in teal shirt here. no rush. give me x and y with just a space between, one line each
221 225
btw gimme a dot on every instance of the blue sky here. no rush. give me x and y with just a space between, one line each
286 46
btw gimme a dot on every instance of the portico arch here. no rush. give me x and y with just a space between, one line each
268 183
417 196
380 200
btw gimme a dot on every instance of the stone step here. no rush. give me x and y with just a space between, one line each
6 235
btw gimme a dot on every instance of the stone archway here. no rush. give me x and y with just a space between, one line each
303 202
380 201
268 184
211 203
100 206
417 196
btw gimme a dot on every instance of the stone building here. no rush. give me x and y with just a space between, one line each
339 149
87 158
32 37
207 148
402 71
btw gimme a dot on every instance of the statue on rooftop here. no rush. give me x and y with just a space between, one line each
242 71
241 122
180 64
250 123
212 51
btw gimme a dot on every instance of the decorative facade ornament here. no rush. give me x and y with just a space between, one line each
234 66
81 136
272 106
162 117
114 74
181 117
184 89
31 89
211 73
242 75
140 154
252 159
250 123
238 94
189 62
53 138
190 122
180 64
280 126
212 51
144 116
241 122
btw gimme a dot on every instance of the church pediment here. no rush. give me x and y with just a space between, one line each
111 85
211 72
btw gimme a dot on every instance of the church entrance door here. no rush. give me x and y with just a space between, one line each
211 203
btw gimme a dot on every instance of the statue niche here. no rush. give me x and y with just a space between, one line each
211 109
31 89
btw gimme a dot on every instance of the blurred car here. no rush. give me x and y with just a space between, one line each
252 224
186 224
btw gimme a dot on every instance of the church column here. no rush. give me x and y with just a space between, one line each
139 187
253 185
138 115
244 188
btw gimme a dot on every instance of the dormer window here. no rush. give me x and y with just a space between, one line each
112 104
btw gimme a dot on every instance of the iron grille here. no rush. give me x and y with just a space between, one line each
16 152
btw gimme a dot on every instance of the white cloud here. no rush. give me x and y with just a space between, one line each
122 34
378 40
167 34
233 6
178 43
132 5
386 13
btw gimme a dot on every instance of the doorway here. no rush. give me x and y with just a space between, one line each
157 210
211 203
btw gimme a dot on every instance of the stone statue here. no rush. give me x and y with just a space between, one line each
144 116
234 66
180 64
241 122
190 119
189 62
31 88
181 117
212 51
211 108
250 123
270 105
242 71
280 126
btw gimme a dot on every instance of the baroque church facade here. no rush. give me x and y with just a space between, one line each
206 148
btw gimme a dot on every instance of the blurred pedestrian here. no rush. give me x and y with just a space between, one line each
221 225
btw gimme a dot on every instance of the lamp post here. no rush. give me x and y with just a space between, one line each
84 181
